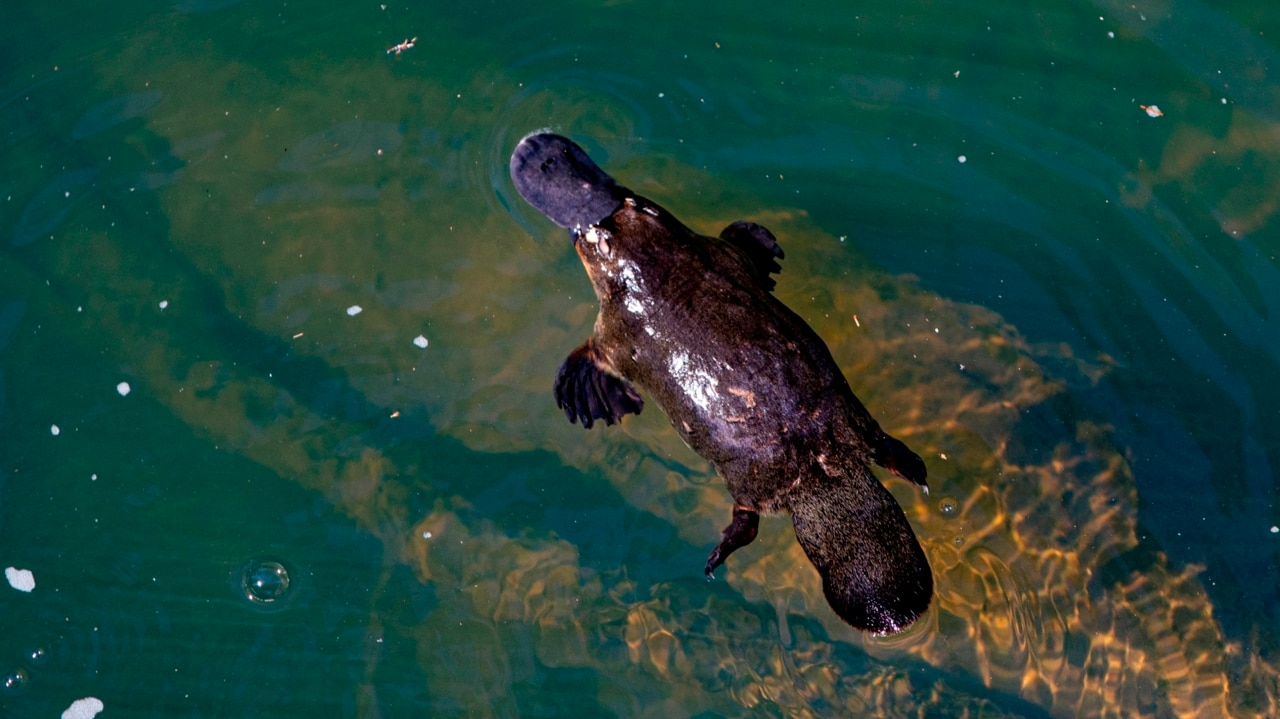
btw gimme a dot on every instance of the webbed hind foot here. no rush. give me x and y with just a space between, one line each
896 457
740 532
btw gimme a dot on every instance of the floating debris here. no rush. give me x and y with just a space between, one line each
86 708
401 47
354 310
20 579
1152 110
124 389
164 304
420 341
54 430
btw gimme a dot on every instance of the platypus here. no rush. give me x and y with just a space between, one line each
692 321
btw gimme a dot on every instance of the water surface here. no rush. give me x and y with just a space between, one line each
1062 299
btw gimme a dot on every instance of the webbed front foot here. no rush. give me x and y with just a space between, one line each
760 246
587 390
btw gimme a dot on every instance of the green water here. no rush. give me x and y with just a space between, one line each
1066 305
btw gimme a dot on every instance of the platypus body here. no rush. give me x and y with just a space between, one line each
692 321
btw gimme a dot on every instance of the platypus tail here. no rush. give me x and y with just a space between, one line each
874 573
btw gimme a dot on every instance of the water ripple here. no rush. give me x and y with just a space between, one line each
109 113
52 204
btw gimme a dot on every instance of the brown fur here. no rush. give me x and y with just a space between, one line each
746 383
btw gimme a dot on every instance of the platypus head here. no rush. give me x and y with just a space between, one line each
555 176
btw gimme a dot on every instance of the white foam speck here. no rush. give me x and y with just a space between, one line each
420 341
54 430
20 579
123 388
962 159
1275 529
164 304
354 310
86 708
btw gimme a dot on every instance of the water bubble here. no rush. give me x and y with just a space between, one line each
265 581
37 656
268 584
15 681
948 507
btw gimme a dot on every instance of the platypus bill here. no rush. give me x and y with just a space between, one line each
692 321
